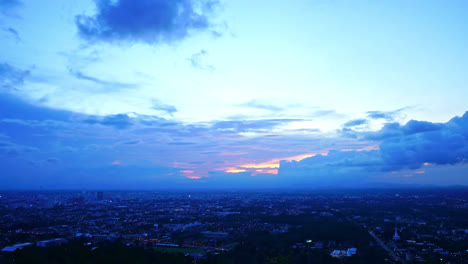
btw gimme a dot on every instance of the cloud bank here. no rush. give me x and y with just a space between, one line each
11 77
72 150
402 147
147 21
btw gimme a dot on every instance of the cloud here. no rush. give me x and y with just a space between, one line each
147 21
387 115
326 112
11 77
392 130
250 125
420 142
9 3
254 104
339 168
12 149
402 147
13 33
119 121
7 6
157 105
111 85
132 142
196 60
356 122
16 109
34 133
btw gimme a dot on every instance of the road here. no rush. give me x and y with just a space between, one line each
382 244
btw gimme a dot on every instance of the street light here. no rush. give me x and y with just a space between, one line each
308 250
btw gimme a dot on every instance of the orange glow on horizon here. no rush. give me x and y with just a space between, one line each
190 174
234 170
270 166
116 162
271 171
194 177
260 166
275 163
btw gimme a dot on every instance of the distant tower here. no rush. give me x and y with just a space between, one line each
100 196
396 236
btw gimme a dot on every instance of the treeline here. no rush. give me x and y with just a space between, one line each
76 253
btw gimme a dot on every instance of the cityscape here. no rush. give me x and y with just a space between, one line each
323 226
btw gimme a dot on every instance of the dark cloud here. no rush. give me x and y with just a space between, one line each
338 168
402 147
6 6
148 21
196 60
111 85
12 149
356 122
419 142
414 126
11 77
157 105
144 140
391 130
132 142
257 105
9 3
119 121
14 108
388 130
13 33
387 115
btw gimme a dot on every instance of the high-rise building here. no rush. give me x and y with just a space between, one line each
396 236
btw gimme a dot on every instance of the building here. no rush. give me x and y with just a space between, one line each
51 242
396 236
351 252
15 247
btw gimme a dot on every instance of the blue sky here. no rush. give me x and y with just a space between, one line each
215 94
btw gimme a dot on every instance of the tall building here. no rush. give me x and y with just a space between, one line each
396 236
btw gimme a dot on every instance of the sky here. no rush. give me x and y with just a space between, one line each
201 94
